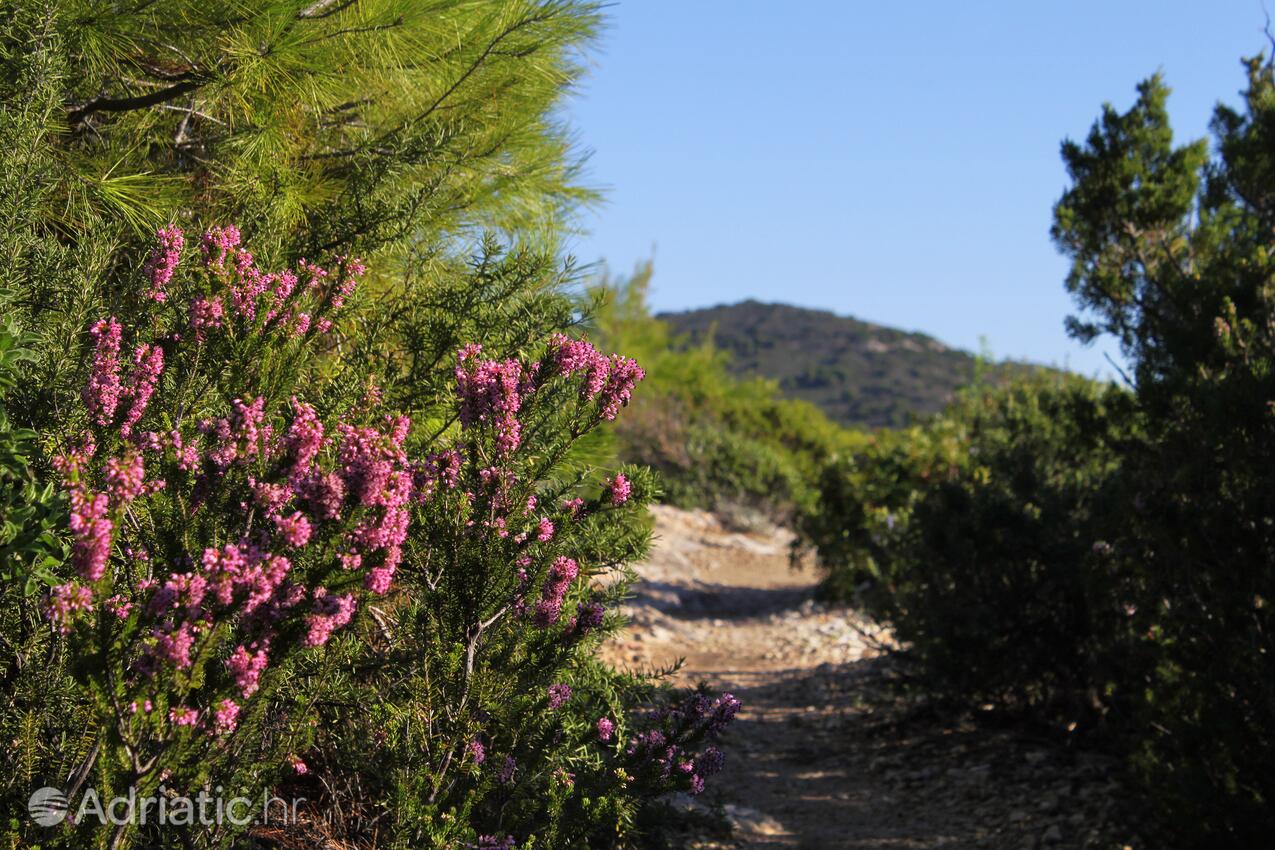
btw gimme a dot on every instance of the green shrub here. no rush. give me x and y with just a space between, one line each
1172 253
393 619
983 539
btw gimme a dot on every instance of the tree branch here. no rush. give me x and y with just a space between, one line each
127 104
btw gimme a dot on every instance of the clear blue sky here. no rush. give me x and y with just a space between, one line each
893 161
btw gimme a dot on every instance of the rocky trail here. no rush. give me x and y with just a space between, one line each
826 753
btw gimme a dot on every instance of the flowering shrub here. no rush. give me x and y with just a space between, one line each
506 716
251 559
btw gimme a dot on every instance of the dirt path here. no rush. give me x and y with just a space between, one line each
823 754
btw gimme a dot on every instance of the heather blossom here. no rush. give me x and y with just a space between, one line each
476 751
183 716
620 489
330 613
148 364
62 603
561 573
225 717
246 667
102 392
558 695
163 261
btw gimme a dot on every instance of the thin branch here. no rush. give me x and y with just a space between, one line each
128 104
325 9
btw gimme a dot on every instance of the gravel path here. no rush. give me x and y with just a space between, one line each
825 754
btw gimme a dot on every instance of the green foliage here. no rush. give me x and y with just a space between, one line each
1100 557
422 136
1172 252
30 511
395 129
859 374
985 546
715 439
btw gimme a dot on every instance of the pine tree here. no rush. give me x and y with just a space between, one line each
393 129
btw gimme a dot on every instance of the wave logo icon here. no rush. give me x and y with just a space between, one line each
47 806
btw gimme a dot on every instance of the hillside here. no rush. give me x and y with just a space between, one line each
857 372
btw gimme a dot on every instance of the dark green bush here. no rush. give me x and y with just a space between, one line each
982 538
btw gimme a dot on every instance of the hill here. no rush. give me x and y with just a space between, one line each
856 372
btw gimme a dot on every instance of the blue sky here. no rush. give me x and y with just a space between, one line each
893 161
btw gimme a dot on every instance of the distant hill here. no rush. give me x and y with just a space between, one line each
857 372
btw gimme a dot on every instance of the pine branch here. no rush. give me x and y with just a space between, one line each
142 101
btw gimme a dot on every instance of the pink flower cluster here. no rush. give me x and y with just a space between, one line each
490 394
102 392
439 468
558 696
609 379
245 665
163 261
63 602
225 717
562 572
105 390
619 489
378 476
92 525
330 613
274 297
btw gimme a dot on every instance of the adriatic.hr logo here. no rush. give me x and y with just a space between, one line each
49 807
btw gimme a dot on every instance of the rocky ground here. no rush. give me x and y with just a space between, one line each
827 753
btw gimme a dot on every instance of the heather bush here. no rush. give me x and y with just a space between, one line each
274 576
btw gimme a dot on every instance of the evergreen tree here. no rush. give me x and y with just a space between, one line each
1172 253
394 129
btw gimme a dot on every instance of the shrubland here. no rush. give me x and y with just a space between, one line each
1094 558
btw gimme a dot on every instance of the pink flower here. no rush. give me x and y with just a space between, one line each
175 646
102 392
163 261
477 751
298 766
225 717
329 614
92 529
620 489
119 606
183 716
125 479
245 668
606 727
558 695
623 374
294 528
544 531
206 314
217 243
561 573
148 364
63 602
490 393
